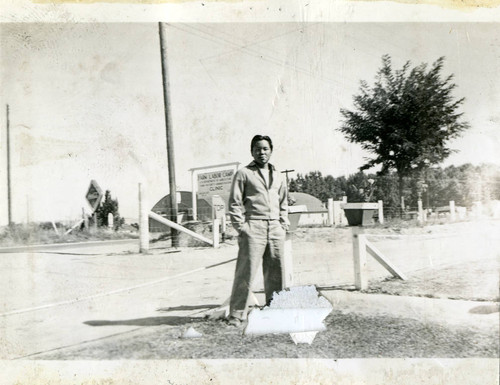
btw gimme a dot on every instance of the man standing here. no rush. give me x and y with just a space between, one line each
258 210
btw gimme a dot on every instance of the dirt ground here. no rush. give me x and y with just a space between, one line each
460 281
347 336
454 261
445 263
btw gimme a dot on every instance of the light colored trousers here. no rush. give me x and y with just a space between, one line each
259 241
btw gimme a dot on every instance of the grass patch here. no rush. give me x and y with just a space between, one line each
45 233
347 336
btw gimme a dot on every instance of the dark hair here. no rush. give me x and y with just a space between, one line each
258 138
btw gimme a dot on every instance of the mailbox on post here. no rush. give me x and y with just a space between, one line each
360 214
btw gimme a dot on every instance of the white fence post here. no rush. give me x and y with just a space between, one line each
85 219
343 219
215 232
331 220
223 226
287 266
420 211
452 211
143 221
110 220
381 212
337 213
359 253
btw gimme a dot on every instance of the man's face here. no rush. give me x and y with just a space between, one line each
261 152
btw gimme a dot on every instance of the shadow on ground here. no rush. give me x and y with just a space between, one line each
485 309
149 321
188 307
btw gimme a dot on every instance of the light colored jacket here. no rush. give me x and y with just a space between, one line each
250 198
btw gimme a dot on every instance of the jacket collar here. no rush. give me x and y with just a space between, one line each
254 165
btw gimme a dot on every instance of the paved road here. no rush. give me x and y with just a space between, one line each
54 298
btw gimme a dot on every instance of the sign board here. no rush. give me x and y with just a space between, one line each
94 195
208 181
215 183
219 207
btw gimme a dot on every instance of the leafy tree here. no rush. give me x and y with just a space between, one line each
357 187
315 183
294 184
386 190
109 205
312 183
463 184
360 187
405 119
445 186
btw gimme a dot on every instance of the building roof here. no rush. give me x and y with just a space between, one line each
184 204
303 199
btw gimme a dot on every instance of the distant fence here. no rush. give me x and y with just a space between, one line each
309 218
336 217
382 213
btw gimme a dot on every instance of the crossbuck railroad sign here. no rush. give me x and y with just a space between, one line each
94 195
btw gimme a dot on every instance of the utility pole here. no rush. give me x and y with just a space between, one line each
286 172
170 140
9 195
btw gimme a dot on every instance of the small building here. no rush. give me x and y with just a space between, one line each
313 211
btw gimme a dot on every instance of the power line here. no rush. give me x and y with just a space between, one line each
254 53
258 53
254 43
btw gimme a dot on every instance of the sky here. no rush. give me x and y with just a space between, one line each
86 101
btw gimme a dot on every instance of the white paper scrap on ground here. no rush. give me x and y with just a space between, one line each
303 338
191 333
296 310
299 297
